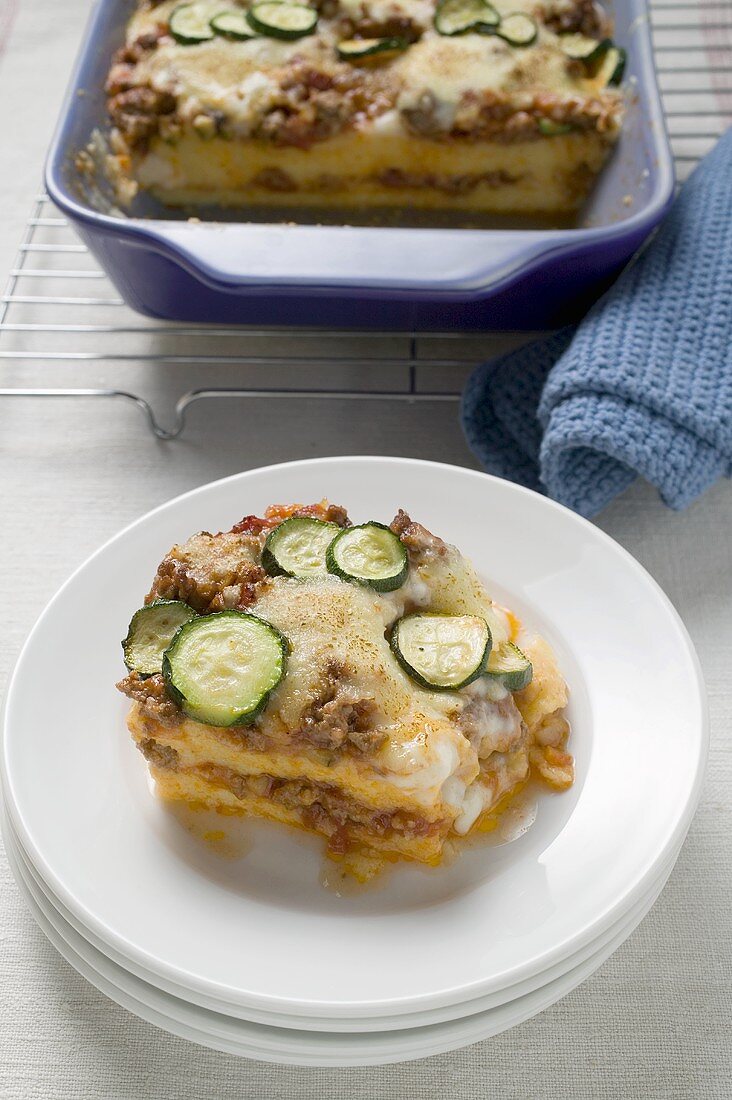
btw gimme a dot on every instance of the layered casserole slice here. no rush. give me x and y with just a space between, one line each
354 681
504 106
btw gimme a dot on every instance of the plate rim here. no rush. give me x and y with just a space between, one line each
321 1024
588 967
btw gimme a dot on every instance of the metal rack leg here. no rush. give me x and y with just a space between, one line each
190 398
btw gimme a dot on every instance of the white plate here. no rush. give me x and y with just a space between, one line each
283 1045
336 1024
260 931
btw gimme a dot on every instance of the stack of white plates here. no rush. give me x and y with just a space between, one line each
229 933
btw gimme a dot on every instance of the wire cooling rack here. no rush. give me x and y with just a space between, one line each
61 321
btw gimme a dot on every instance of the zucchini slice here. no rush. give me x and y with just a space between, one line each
356 49
612 67
232 24
549 128
150 633
461 16
221 669
581 48
442 652
509 665
297 547
279 19
517 29
190 24
603 60
371 555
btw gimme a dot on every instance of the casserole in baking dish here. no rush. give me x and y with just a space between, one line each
280 266
505 106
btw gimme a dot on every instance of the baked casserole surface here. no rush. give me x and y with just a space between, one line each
376 104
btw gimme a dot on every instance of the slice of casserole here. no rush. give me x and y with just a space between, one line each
356 682
504 106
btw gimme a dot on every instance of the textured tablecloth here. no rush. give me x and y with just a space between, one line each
653 1022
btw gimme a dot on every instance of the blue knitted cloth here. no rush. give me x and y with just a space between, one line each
643 386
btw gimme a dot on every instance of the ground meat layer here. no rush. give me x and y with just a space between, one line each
313 96
420 543
325 809
150 693
210 572
583 16
340 717
222 572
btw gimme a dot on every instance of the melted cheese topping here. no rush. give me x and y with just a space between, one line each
330 622
448 68
420 12
240 78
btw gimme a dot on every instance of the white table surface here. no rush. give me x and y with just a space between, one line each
653 1022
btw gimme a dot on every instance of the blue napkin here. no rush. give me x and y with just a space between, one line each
642 387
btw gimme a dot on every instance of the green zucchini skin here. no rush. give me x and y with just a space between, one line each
183 31
265 18
601 58
280 556
248 701
579 47
150 632
455 17
356 49
518 29
510 666
420 677
232 24
617 58
380 583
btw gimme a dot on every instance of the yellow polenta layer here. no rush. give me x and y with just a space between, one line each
196 791
198 744
551 175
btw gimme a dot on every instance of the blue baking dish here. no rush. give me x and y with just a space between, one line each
398 277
